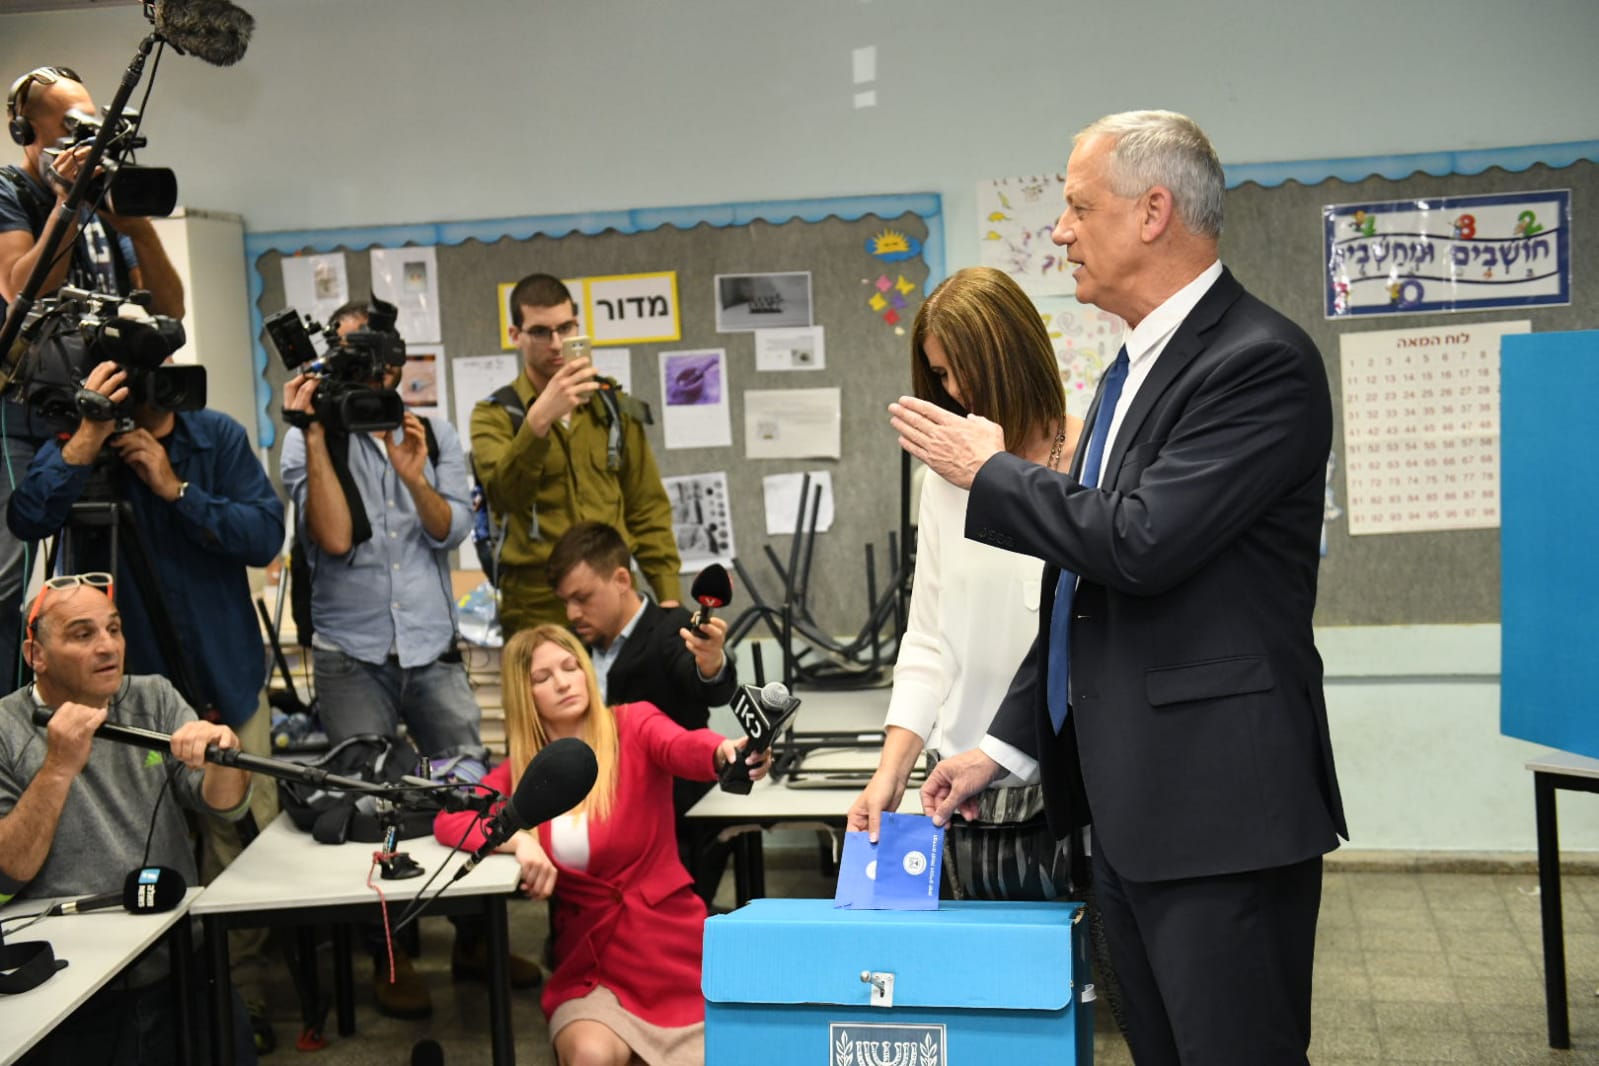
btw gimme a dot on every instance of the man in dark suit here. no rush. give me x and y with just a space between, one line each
1174 694
643 651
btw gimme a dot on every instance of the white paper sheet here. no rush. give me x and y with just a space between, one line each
422 381
409 279
315 285
791 349
476 378
792 423
615 363
782 492
702 521
694 387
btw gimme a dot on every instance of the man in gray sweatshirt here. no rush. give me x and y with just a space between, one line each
75 812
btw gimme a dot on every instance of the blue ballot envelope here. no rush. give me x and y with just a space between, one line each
898 873
800 982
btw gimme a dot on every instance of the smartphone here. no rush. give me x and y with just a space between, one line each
577 347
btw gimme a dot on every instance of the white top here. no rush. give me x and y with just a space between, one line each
973 615
1145 343
569 840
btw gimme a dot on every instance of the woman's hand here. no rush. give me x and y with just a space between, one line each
882 793
730 750
538 872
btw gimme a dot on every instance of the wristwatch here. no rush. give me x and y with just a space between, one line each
183 486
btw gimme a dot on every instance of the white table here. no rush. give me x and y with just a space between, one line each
1551 771
286 878
856 714
98 946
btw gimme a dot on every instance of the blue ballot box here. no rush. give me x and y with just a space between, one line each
791 981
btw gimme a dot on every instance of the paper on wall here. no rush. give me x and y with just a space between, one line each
423 387
792 423
616 363
694 388
804 348
316 285
702 521
782 492
476 378
409 279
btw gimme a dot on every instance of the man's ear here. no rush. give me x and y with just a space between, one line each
622 577
32 654
1158 213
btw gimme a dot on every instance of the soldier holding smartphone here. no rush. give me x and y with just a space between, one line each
561 445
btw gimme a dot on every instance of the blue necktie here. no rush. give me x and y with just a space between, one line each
1060 618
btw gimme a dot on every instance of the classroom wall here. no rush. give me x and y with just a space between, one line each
370 112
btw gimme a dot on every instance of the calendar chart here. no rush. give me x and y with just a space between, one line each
1421 427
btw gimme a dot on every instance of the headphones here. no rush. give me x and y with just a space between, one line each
21 128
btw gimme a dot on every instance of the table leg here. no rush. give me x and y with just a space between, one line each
1554 940
180 946
343 981
222 1036
499 981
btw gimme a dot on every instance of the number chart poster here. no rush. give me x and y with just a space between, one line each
1421 427
1452 253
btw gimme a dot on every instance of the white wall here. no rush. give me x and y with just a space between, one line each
367 112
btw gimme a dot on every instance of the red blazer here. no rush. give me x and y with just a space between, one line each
631 922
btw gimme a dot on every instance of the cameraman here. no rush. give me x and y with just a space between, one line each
30 197
383 607
205 510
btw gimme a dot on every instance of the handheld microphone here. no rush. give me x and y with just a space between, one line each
712 588
211 30
150 890
764 712
427 1053
555 781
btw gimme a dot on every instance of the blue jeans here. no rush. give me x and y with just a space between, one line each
434 701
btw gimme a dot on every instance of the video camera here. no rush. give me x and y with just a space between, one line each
125 187
76 330
347 400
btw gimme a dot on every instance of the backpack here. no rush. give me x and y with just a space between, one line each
333 817
488 528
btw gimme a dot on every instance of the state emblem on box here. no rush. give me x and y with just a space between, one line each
968 984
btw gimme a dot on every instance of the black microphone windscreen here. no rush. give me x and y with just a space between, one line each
556 780
712 584
152 890
427 1053
212 30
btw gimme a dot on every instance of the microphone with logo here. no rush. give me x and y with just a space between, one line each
149 890
712 588
556 780
764 711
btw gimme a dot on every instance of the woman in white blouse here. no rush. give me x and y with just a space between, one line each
978 346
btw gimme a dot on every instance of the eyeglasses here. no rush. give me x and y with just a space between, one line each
98 579
544 334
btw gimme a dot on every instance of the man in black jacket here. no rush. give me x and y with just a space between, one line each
643 651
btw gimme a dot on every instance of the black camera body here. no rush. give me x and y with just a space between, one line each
75 330
125 187
346 400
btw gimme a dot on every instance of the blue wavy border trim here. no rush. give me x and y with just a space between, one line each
1395 167
929 206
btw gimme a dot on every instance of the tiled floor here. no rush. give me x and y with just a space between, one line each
1410 968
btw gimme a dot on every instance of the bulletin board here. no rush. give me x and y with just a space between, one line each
870 262
1273 243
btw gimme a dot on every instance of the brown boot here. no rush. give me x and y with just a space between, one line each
404 997
470 962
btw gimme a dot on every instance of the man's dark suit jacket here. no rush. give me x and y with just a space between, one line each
654 665
1197 740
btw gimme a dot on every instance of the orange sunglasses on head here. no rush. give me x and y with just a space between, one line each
96 580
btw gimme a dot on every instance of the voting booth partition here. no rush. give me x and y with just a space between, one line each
790 981
1549 497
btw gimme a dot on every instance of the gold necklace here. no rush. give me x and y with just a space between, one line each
1055 450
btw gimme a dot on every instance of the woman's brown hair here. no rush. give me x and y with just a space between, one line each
999 352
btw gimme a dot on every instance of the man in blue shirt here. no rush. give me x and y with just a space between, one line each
106 253
383 607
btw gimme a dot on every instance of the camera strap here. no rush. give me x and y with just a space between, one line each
339 454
